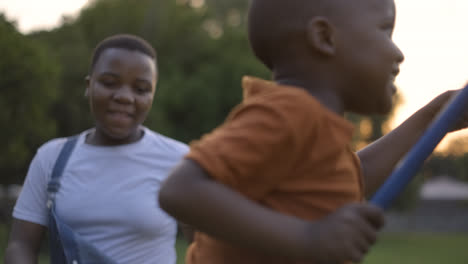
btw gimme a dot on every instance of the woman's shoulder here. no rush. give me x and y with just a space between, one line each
165 142
52 147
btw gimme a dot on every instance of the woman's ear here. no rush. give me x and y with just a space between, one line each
321 36
87 82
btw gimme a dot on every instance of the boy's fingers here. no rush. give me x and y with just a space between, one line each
363 240
361 245
368 235
374 215
357 257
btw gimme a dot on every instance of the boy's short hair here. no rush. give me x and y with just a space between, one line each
274 26
122 41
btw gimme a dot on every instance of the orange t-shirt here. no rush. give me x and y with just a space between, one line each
281 148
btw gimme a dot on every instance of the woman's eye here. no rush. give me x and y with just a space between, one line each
142 89
108 83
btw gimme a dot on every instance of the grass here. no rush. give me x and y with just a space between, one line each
401 248
408 248
181 246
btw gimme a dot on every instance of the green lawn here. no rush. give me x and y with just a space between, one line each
420 249
181 246
405 248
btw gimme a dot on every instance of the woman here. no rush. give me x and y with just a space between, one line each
108 190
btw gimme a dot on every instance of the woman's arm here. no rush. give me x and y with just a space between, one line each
24 242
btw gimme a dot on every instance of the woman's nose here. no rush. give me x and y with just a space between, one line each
124 95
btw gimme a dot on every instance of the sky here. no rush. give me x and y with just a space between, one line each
433 36
43 14
431 33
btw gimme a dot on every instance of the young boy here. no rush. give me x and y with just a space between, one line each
278 182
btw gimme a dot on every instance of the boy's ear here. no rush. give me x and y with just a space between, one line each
87 82
321 35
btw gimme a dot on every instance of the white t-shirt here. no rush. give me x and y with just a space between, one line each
109 195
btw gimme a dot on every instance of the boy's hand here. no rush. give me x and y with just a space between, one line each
348 233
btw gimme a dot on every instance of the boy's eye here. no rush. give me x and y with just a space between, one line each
388 27
388 30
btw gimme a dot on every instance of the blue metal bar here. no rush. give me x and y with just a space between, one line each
412 162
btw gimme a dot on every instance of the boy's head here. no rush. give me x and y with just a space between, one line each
345 45
277 28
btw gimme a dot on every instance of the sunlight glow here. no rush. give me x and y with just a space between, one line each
431 34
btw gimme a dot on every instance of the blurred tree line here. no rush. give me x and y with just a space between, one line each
202 54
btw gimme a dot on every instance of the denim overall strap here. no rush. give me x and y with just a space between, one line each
59 166
66 246
57 255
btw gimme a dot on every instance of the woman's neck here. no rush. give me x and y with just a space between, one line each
100 138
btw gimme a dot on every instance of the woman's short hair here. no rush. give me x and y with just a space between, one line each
123 41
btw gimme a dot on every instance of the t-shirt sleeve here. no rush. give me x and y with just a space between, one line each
31 205
251 152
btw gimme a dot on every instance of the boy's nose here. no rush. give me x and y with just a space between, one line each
400 55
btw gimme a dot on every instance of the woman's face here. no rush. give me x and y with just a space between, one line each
120 91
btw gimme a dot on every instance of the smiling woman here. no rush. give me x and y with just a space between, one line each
107 193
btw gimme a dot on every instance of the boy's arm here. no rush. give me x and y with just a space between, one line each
379 158
191 196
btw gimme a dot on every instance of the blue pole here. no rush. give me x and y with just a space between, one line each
411 163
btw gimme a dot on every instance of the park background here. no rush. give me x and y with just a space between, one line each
202 54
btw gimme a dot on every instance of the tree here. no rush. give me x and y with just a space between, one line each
371 128
202 56
27 89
